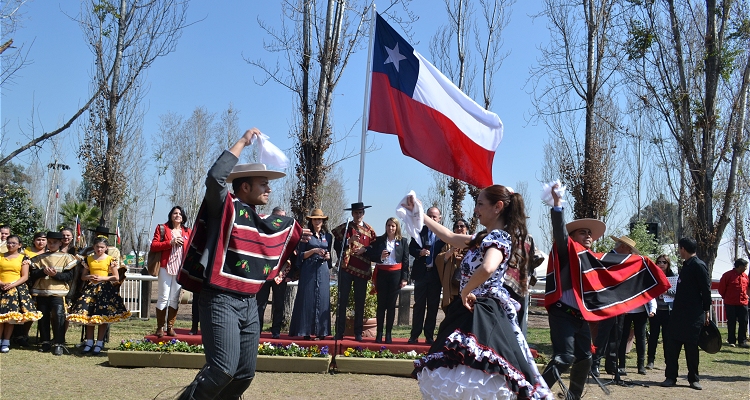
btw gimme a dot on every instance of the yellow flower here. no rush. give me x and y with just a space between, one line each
346 353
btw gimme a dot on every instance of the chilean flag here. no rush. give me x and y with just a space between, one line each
436 123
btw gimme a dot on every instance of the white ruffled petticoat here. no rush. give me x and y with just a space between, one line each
463 383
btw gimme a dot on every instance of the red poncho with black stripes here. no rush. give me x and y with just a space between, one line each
604 284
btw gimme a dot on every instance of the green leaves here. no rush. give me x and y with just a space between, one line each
19 212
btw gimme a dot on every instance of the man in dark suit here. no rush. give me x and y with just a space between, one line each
427 285
690 311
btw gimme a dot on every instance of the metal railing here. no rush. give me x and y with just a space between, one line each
136 293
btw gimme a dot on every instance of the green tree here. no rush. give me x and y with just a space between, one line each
645 242
88 214
19 212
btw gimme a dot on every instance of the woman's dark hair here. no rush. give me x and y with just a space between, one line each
669 264
323 229
455 225
169 217
20 242
100 239
514 215
63 229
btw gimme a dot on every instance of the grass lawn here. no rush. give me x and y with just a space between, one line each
26 373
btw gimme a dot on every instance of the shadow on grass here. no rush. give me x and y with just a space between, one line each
735 362
726 378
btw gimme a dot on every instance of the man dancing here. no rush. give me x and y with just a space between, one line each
233 251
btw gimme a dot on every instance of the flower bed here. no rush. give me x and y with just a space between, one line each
360 360
176 354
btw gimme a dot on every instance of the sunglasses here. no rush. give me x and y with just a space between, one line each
460 226
662 262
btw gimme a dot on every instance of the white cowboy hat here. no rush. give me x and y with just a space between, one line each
596 227
256 169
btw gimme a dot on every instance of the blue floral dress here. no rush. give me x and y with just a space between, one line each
482 354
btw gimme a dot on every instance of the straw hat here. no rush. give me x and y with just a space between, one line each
255 169
626 241
596 227
317 214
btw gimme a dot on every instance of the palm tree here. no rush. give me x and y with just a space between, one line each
89 214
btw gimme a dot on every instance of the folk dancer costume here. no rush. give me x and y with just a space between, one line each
354 270
474 355
232 252
584 286
100 302
312 306
16 306
50 292
386 279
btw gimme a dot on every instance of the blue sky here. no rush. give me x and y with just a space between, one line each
208 69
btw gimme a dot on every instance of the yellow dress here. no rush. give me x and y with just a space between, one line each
16 306
100 302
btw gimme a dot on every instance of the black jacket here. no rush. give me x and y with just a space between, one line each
691 301
419 267
375 250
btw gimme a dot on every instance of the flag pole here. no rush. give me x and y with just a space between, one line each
75 232
366 111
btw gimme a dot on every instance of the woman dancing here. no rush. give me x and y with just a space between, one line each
480 351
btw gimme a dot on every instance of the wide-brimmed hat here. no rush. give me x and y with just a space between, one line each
54 235
357 206
627 242
596 227
255 169
317 214
101 230
709 338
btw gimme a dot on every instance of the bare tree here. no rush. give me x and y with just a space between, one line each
191 147
316 41
693 62
125 37
462 69
579 67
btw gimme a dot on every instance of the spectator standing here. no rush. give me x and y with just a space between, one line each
426 281
733 289
448 264
691 310
660 321
4 233
312 306
390 252
172 244
354 267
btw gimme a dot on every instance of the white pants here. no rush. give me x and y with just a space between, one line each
169 290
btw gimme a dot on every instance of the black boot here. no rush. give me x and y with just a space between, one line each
641 368
208 382
235 389
595 366
579 372
553 370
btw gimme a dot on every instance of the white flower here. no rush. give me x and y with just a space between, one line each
412 353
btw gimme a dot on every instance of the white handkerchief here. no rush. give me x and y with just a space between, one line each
413 220
547 193
270 154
